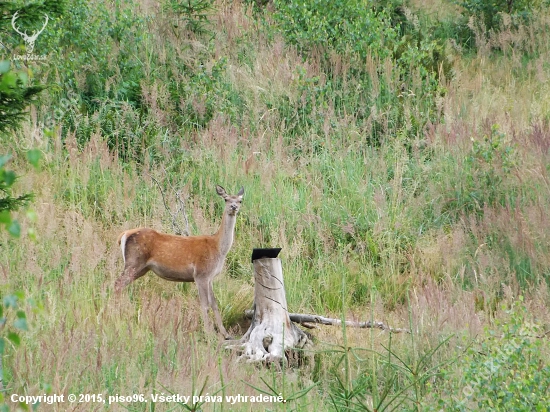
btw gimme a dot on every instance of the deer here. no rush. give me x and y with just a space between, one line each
176 258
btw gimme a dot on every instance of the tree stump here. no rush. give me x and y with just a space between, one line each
271 333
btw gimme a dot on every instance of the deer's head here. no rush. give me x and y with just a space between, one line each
232 202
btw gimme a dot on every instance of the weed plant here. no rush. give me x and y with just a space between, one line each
406 181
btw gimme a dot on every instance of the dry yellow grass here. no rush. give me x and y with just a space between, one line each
150 340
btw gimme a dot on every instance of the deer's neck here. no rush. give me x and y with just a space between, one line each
225 233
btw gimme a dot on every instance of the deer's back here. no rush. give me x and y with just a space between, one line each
172 254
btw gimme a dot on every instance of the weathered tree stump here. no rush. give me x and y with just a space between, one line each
271 333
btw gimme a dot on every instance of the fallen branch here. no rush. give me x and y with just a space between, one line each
307 321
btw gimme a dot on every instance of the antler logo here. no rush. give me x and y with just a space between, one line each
29 40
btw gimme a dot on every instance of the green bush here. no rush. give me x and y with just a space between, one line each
203 93
96 52
17 86
483 177
508 370
193 14
359 33
346 25
490 12
16 93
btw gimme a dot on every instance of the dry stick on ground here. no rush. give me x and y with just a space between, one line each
308 321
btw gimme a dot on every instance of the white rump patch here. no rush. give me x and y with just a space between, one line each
123 246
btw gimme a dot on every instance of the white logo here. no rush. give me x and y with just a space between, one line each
29 40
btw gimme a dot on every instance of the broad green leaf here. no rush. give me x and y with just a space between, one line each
21 323
14 228
5 217
10 301
14 338
4 159
4 66
9 80
31 303
24 78
32 216
34 156
9 177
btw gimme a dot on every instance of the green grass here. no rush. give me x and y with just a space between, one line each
437 226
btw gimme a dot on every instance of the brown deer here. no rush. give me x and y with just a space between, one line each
196 259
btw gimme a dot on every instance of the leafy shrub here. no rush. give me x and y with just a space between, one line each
32 17
16 93
17 89
489 13
96 52
358 34
10 203
482 178
508 370
99 72
203 93
101 49
13 321
192 13
345 25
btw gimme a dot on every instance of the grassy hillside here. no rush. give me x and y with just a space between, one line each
397 153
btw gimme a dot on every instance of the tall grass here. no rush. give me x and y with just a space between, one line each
442 228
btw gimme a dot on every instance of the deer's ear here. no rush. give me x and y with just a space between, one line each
241 192
221 191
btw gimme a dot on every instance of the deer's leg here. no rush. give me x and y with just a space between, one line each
217 316
130 274
202 286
